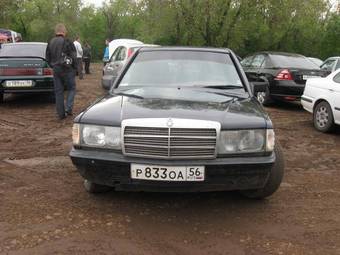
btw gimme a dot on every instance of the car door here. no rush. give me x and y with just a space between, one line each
246 64
335 97
255 69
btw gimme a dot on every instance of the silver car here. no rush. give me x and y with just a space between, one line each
118 59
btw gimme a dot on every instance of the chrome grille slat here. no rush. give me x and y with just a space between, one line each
150 138
146 130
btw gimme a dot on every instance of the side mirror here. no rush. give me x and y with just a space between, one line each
259 86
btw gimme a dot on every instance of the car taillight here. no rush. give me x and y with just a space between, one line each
18 71
130 52
48 71
284 75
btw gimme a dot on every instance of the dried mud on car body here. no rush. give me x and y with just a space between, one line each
45 210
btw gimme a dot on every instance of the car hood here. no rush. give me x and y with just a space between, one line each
202 104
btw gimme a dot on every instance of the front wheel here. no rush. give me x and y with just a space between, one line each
274 180
95 188
1 97
323 117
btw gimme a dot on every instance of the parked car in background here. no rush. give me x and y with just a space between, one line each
331 64
179 119
114 44
23 69
117 61
9 36
322 98
286 74
316 61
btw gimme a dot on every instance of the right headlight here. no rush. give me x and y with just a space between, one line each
246 141
96 136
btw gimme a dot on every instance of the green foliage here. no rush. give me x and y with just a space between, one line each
308 27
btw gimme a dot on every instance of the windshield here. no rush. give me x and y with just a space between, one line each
283 61
23 50
181 68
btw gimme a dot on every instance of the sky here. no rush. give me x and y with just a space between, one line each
97 3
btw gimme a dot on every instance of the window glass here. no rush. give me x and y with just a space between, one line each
114 55
337 78
246 61
121 55
257 61
328 65
25 50
181 68
338 65
292 61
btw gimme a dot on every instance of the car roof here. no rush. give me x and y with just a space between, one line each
336 57
287 54
183 48
144 45
124 42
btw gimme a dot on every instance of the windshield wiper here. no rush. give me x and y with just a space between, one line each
126 95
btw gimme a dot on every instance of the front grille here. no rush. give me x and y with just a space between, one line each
165 142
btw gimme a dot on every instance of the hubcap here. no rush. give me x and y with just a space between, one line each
322 117
261 97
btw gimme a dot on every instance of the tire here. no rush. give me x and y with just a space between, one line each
95 188
323 117
2 97
274 180
264 98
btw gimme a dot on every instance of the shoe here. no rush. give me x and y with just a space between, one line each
69 113
62 117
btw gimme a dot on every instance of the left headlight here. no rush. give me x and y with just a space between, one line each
96 136
246 141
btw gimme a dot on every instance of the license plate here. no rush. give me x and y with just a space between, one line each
167 173
19 83
305 77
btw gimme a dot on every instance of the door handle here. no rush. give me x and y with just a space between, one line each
331 90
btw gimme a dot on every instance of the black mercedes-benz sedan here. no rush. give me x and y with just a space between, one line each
179 119
23 69
286 74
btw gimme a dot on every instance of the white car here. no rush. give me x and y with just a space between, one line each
118 59
322 98
114 44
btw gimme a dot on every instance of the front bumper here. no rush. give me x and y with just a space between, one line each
113 169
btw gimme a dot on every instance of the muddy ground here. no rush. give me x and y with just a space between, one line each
45 210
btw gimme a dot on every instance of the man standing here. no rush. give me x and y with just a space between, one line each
79 49
61 56
87 57
106 57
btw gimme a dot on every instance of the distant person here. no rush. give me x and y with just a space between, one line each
106 56
87 57
61 56
79 49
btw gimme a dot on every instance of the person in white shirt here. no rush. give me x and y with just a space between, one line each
79 49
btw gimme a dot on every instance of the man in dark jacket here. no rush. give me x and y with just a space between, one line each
61 56
87 57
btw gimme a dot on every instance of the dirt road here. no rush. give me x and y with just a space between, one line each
45 210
